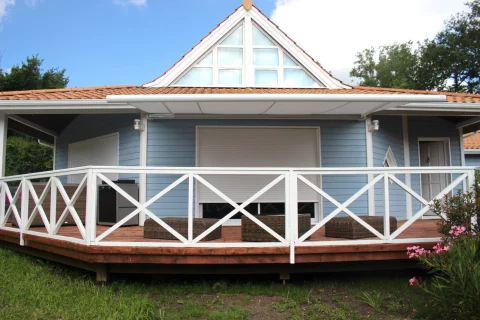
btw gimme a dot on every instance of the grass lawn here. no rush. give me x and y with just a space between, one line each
34 289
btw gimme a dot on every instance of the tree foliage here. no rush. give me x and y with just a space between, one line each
450 61
30 76
26 155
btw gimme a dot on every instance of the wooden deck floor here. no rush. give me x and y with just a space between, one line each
420 229
241 255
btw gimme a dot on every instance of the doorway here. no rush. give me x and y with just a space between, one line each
434 153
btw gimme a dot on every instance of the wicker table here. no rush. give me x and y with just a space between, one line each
253 232
347 227
155 231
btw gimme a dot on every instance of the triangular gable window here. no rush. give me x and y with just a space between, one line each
240 60
222 66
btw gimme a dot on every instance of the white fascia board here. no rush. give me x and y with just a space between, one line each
274 97
64 106
472 151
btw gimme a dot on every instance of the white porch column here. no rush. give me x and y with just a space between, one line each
142 179
3 142
462 156
406 160
369 143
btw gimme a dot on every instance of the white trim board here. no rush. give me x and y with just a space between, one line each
390 158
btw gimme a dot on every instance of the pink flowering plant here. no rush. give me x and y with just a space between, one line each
454 263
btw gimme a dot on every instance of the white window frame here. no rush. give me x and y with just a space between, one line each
389 159
248 68
215 66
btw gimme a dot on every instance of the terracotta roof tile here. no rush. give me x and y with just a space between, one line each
472 141
102 92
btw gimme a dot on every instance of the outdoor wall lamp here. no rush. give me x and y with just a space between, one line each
375 126
137 125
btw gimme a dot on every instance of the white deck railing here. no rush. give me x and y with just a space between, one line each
463 177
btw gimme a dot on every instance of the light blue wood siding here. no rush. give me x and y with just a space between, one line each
431 127
389 135
173 143
472 160
90 126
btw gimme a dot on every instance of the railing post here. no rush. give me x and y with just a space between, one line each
386 199
287 208
472 187
2 203
24 211
293 198
53 206
91 210
190 207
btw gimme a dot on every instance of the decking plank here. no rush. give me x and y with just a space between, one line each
214 255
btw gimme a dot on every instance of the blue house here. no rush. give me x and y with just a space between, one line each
245 124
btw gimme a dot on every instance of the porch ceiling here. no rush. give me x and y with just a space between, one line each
270 104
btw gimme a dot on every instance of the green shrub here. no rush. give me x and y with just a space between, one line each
454 264
454 287
458 211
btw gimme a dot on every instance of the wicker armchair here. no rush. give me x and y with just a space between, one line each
153 230
347 227
253 232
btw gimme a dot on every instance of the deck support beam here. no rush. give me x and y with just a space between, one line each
101 271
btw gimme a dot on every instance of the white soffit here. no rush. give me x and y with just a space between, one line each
270 104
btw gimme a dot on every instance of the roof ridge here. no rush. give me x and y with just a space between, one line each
22 92
461 94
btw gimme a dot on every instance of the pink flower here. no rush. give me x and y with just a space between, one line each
457 230
416 252
413 281
446 248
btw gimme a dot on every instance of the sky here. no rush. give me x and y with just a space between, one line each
112 42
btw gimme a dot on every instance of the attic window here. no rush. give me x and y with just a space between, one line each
247 57
389 160
222 66
274 67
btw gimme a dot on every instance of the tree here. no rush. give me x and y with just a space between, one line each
30 76
450 61
395 67
26 155
457 50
